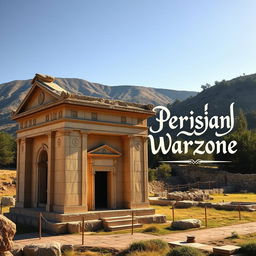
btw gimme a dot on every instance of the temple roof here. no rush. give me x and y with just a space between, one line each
46 83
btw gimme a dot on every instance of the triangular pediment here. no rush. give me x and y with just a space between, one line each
104 150
41 94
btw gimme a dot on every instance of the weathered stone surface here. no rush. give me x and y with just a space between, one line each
160 201
52 249
186 224
67 247
8 201
7 232
30 250
17 250
185 204
193 195
92 225
74 227
231 182
6 253
157 218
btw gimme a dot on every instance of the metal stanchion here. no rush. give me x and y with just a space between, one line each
132 222
173 213
40 225
83 230
205 216
239 211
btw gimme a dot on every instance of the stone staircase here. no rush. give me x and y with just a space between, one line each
120 223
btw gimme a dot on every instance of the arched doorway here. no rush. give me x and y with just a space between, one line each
42 178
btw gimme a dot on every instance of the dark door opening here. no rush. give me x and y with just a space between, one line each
42 178
101 190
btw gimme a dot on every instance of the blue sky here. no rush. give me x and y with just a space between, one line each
174 44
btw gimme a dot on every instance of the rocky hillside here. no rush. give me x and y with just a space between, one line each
240 90
12 93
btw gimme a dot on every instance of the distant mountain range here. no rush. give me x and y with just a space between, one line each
12 93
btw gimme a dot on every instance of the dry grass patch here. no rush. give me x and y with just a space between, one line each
247 197
7 176
216 218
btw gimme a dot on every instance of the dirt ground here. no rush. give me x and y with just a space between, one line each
7 182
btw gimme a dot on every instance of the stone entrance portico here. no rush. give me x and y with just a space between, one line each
77 154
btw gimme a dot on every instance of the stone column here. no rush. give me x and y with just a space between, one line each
84 174
138 170
18 172
27 182
145 163
130 171
50 176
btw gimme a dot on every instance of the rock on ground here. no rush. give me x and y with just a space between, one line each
194 195
185 204
8 201
52 249
7 232
67 247
186 224
17 250
6 253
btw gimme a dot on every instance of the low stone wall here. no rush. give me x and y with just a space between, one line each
232 182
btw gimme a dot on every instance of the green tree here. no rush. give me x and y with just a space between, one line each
163 171
152 174
241 122
243 161
7 149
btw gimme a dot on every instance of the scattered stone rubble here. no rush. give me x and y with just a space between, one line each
7 232
197 197
186 224
55 249
192 195
157 188
8 201
5 185
49 249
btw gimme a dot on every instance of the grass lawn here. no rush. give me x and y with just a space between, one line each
216 218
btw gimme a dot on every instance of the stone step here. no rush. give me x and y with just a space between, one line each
120 222
116 218
123 227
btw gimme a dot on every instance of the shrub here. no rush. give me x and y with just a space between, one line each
7 149
137 246
151 229
234 235
154 245
185 251
249 249
163 171
145 254
152 174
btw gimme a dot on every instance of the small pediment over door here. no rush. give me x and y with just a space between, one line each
104 151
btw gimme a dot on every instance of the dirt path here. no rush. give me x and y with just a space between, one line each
7 182
123 240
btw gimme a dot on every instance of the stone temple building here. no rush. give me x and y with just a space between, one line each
80 156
